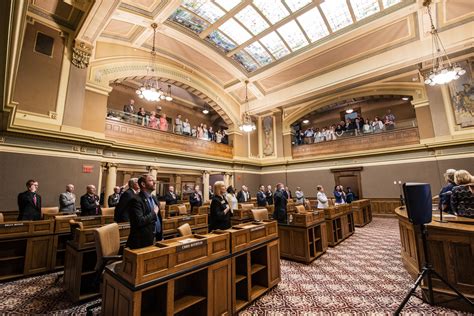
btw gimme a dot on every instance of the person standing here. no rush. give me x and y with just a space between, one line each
114 197
288 194
220 212
145 217
231 199
163 123
269 195
339 195
299 196
121 210
244 195
178 125
321 197
186 127
170 197
279 213
29 202
67 200
90 202
129 110
195 199
261 197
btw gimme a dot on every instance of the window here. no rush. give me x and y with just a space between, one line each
292 35
252 20
364 8
259 53
295 5
227 4
188 20
389 3
275 45
235 31
204 9
313 24
273 10
245 61
221 41
337 13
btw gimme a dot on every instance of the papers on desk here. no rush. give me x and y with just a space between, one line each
248 226
445 215
187 240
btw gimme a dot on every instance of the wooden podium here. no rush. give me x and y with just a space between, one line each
362 212
304 238
339 223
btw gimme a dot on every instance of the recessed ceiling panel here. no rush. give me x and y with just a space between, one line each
227 4
389 3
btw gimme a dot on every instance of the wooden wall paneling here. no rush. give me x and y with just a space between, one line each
38 254
220 288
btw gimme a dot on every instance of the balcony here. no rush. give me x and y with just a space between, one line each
394 138
141 136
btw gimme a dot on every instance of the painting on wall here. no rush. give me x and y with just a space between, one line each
462 96
268 137
188 187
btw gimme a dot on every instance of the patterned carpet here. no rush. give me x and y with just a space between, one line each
362 276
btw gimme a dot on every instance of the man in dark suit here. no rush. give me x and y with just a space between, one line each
195 199
145 217
269 195
171 197
280 204
114 198
121 210
90 202
287 193
29 203
244 195
130 107
261 197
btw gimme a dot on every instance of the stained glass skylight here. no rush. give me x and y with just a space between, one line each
259 53
222 41
274 10
337 13
258 32
389 3
295 5
275 45
364 8
293 35
313 24
252 20
235 31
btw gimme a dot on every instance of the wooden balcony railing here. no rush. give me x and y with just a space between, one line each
147 137
386 139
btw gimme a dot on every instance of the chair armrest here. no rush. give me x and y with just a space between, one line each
108 259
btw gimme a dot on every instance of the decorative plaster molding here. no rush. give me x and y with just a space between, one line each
81 54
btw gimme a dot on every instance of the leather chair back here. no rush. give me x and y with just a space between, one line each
2 219
246 206
182 210
49 211
185 230
162 205
260 214
107 242
108 211
299 208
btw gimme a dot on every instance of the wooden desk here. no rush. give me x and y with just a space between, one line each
339 223
451 251
362 212
305 238
198 223
25 248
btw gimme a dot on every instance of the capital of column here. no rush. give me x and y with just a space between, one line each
151 168
206 172
112 165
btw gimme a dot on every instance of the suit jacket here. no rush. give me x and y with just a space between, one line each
217 218
121 210
195 199
142 222
28 210
88 205
269 197
287 194
128 108
170 200
113 199
261 199
241 197
280 206
67 202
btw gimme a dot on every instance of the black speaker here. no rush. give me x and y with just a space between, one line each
418 202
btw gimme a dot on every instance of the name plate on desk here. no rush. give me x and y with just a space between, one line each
124 226
192 243
89 218
257 228
9 225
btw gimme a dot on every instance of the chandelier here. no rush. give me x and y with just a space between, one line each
247 125
443 71
150 90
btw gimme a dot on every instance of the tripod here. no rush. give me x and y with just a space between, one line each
428 271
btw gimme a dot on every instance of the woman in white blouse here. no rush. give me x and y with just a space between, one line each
186 127
231 199
321 197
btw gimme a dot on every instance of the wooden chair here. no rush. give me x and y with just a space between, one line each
107 246
107 211
49 211
246 206
185 230
260 214
2 219
182 209
299 208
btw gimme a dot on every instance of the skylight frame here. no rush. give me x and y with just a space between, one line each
337 14
364 8
277 12
259 19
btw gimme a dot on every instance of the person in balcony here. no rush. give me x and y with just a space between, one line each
389 120
212 134
178 125
357 126
205 132
153 120
186 127
129 110
318 137
324 134
141 117
194 131
163 123
219 136
349 126
331 134
377 125
308 136
340 129
200 131
367 127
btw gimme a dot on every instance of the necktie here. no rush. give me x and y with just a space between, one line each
34 199
157 223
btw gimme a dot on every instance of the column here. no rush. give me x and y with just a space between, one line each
231 180
110 182
178 186
260 137
226 179
102 167
205 185
153 171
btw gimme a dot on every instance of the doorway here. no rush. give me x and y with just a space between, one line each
349 178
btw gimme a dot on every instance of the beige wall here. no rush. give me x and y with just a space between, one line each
52 173
425 122
74 107
94 111
252 181
38 77
438 112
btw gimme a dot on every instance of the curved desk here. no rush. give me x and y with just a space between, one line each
451 251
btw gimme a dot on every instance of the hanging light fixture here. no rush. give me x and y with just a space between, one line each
247 125
150 89
443 71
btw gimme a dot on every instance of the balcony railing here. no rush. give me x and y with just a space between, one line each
363 142
137 136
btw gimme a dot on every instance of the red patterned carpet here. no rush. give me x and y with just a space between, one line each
362 276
